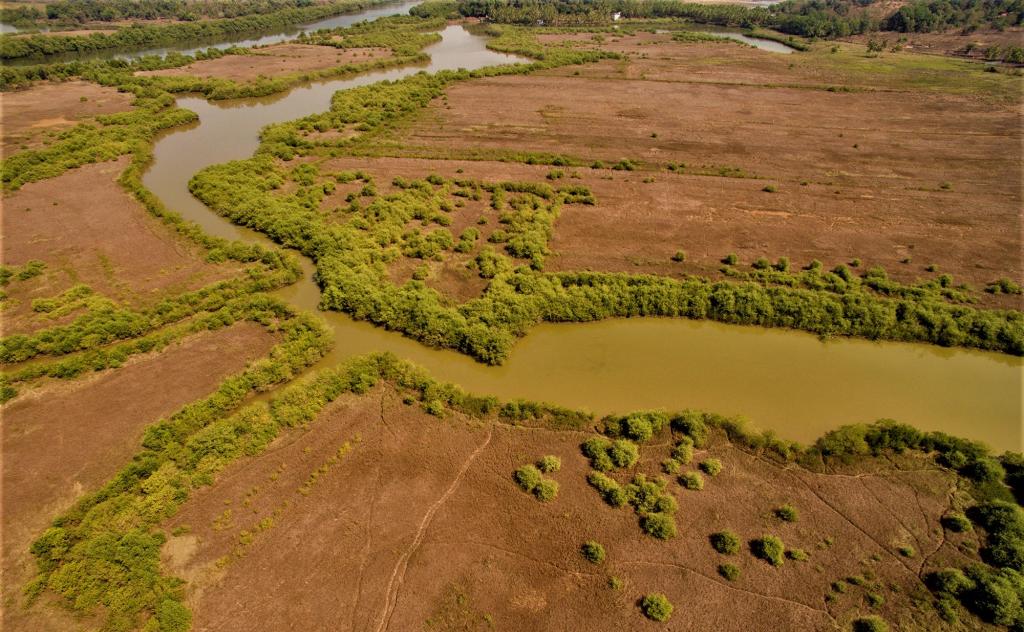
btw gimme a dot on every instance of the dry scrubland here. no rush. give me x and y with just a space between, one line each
271 60
88 230
64 440
882 173
34 116
380 516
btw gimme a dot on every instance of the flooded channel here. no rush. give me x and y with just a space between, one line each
782 380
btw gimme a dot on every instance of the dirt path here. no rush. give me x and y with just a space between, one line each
398 574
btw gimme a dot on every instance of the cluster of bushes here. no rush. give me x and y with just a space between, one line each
530 478
970 458
606 455
29 270
139 36
403 35
109 323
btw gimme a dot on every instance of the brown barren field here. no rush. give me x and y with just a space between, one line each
65 439
417 525
273 60
50 107
87 229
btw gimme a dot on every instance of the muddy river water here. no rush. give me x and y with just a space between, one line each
782 380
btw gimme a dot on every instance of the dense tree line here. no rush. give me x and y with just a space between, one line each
140 36
808 18
114 10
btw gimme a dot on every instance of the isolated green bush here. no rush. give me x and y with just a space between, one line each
656 607
692 480
725 542
769 548
549 464
711 467
729 572
593 552
787 513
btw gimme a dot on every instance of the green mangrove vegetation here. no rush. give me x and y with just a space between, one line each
140 36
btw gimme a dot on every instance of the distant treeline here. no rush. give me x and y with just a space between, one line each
113 10
12 47
808 18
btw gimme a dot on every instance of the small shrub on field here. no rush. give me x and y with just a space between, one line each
956 522
731 259
874 599
615 583
656 607
638 426
729 571
546 490
711 467
797 555
608 488
671 466
907 551
692 425
593 552
421 272
549 464
951 581
870 624
692 480
683 451
606 455
770 188
761 264
787 513
1004 286
770 549
680 256
782 265
528 477
725 542
659 525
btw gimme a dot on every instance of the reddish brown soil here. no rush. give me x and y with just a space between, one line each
28 115
273 60
87 229
66 439
419 526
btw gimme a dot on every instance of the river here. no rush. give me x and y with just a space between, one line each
782 380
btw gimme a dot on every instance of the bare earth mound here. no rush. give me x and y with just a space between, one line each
52 107
87 229
67 439
381 517
273 60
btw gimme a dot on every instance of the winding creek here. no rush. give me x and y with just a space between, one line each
783 380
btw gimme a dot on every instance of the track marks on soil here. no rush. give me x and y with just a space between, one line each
401 566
